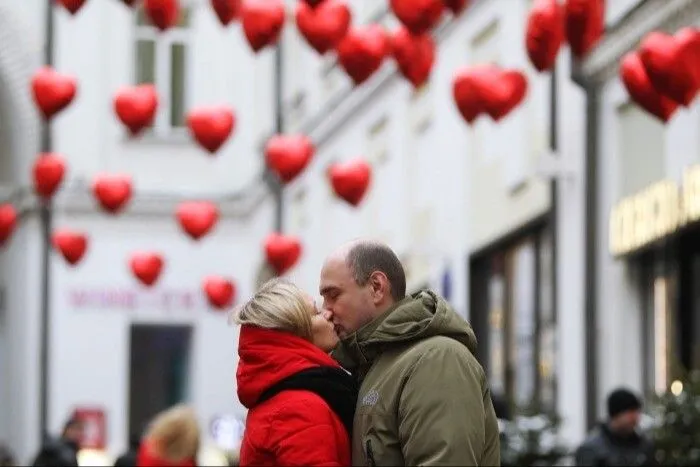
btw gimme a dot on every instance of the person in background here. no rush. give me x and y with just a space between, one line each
301 402
424 398
64 450
171 440
617 441
128 459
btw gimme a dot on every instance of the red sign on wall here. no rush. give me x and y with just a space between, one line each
94 423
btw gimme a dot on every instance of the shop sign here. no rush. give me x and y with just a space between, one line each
655 213
94 423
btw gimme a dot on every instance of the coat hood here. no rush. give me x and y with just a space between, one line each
416 317
267 356
148 457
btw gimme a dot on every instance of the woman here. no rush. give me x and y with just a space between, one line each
300 401
172 439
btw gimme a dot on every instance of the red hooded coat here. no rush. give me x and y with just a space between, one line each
294 427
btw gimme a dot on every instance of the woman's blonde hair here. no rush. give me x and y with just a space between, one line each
175 434
279 305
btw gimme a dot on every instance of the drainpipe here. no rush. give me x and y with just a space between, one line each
553 190
591 244
45 219
278 92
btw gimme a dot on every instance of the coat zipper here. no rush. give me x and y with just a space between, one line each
370 454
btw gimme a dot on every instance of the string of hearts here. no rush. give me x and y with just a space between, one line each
360 50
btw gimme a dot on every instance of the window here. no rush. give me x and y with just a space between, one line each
161 59
377 143
331 76
420 109
517 321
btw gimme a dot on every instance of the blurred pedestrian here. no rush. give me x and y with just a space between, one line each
618 441
6 457
128 458
301 402
171 440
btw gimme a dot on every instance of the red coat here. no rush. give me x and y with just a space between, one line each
294 427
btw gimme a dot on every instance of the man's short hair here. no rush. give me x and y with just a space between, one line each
366 257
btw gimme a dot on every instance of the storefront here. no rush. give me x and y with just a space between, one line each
656 233
511 291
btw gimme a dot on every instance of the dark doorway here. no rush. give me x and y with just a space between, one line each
159 371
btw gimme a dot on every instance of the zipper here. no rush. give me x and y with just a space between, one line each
370 454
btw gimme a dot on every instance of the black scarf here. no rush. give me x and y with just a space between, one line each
333 385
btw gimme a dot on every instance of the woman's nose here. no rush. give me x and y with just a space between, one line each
327 315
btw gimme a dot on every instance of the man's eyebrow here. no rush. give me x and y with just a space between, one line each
325 290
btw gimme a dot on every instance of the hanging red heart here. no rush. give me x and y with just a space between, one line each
288 155
197 218
146 267
211 126
49 170
136 107
640 89
53 91
584 25
226 10
351 179
263 21
414 55
418 16
113 192
282 252
669 66
129 3
689 40
323 26
8 222
456 6
544 33
164 14
220 291
466 94
500 90
313 3
71 244
71 5
362 51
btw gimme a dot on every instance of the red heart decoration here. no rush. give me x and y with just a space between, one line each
456 6
72 245
282 252
71 5
640 89
129 3
584 25
262 22
466 95
197 217
323 26
288 155
689 40
53 91
544 33
211 126
414 55
49 170
313 3
418 16
351 179
220 291
226 10
362 51
8 222
112 191
670 66
501 90
146 267
136 106
163 14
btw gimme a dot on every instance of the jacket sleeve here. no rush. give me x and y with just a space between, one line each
302 434
587 456
441 410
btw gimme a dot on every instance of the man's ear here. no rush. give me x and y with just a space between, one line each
380 286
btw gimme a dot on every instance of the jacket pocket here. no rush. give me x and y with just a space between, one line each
369 454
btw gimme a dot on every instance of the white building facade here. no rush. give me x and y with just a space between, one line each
116 346
642 317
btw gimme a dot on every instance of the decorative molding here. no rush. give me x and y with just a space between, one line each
649 15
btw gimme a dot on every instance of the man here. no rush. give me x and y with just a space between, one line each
617 441
62 451
423 396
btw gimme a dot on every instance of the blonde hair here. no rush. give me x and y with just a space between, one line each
175 434
279 305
